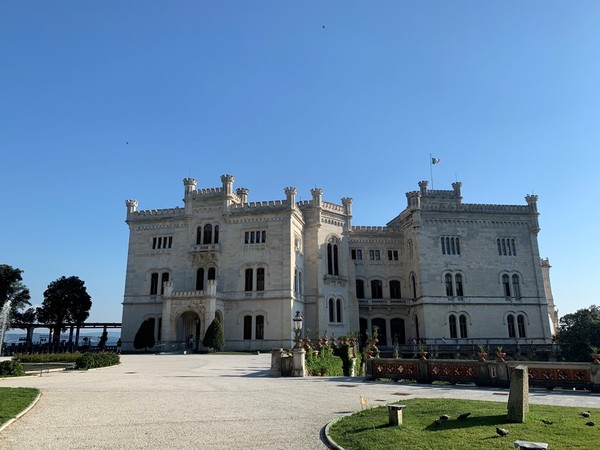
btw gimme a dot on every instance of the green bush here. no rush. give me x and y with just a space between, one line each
324 361
214 337
94 360
11 368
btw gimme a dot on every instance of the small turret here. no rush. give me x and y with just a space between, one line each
347 202
189 185
242 193
317 195
290 195
227 181
423 187
532 202
131 206
456 186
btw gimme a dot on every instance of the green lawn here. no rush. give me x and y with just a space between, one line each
15 400
369 429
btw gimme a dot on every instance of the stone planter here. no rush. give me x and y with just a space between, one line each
482 356
500 356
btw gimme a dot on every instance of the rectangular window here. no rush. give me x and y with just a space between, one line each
255 237
162 242
356 254
393 255
450 245
374 255
360 289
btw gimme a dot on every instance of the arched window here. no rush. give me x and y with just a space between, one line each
216 234
331 310
462 321
413 282
207 234
360 289
338 310
248 280
247 327
260 327
376 289
329 259
516 287
200 279
395 289
510 322
449 289
521 325
506 285
299 282
336 268
198 235
212 273
260 279
154 284
459 285
164 279
296 280
452 325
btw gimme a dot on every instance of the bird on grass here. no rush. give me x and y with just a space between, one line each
591 423
547 421
438 421
501 431
464 416
585 414
444 417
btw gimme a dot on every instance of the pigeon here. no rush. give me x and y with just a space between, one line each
547 422
444 417
501 431
590 423
585 414
438 421
464 416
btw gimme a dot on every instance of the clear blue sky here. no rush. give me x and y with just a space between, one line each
344 95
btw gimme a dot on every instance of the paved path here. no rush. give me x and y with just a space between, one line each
208 401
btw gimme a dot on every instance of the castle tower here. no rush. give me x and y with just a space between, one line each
290 195
242 193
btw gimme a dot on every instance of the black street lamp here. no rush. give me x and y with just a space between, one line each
297 328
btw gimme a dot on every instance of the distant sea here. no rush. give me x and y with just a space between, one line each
16 336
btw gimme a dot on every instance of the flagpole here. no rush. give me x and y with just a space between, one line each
431 169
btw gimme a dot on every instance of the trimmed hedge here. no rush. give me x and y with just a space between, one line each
47 357
324 361
94 360
11 368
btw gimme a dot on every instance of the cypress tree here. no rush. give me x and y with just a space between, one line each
214 337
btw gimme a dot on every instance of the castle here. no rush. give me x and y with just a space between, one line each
441 269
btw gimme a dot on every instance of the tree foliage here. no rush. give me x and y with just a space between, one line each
66 301
578 332
144 338
12 289
215 336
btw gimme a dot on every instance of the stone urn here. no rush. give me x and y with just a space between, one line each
482 356
423 355
596 358
500 356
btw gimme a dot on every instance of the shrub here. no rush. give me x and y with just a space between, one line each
11 368
324 361
94 360
214 337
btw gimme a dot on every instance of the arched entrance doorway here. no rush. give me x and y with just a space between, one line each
189 326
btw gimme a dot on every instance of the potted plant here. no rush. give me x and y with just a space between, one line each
595 353
374 335
500 353
482 352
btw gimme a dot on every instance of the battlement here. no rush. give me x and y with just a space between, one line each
371 228
264 205
158 213
333 207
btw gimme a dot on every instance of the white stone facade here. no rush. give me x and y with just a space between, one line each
467 273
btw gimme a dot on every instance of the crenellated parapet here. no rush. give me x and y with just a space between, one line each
156 213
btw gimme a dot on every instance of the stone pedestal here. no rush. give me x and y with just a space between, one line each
518 398
276 356
299 363
395 414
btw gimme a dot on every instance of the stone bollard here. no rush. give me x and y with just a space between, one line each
518 398
276 356
395 414
299 362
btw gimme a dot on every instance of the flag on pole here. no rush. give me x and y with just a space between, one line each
435 160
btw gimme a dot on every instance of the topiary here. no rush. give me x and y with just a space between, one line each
215 336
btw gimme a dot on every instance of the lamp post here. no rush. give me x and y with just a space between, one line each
297 328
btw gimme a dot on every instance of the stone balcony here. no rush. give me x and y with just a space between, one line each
366 302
